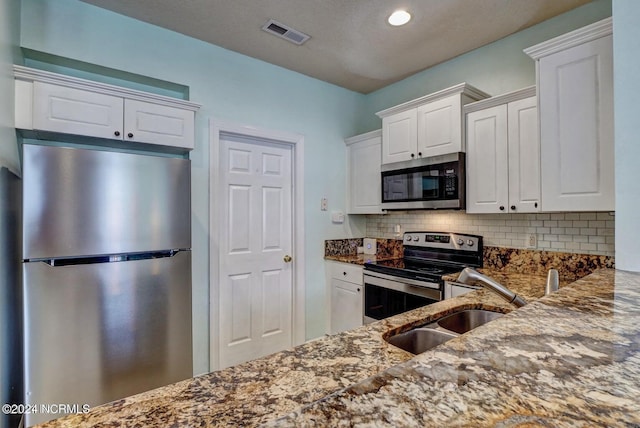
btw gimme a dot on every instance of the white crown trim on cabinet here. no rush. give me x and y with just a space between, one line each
582 35
461 88
362 137
500 99
34 75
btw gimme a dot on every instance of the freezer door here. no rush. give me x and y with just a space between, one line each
90 202
99 332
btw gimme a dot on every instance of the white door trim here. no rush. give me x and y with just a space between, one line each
217 128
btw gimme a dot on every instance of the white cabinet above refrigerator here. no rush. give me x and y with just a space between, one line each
50 102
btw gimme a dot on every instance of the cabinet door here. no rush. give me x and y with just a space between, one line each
158 124
346 305
576 128
74 111
524 156
440 127
365 186
487 161
399 137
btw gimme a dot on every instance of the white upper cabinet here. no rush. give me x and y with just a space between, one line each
157 124
575 97
73 111
364 185
524 155
487 157
400 131
427 126
440 127
61 104
503 154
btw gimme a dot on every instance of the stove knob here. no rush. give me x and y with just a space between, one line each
416 238
460 242
470 243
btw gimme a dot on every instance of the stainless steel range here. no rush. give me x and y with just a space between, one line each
396 286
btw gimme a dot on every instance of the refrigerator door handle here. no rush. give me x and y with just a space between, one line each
110 258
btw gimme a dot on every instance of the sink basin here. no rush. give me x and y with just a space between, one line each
423 338
420 340
462 322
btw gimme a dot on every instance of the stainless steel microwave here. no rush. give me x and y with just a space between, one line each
428 183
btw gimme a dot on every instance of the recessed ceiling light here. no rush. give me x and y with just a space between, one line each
399 17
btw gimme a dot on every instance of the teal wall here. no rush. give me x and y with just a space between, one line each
626 70
496 68
9 286
229 86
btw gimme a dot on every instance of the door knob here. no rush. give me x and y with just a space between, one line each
287 258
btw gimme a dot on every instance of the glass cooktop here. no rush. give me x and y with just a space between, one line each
412 269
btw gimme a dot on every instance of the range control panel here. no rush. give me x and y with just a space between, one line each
453 241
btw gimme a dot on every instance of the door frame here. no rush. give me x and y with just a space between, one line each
217 129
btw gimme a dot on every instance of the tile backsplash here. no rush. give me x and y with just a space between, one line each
584 233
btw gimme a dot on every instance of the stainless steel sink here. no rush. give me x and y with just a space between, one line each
462 322
420 340
423 338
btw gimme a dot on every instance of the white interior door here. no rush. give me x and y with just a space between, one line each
255 279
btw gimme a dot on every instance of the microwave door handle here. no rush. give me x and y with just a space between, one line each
415 185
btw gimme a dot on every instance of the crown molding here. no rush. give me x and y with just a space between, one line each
461 88
574 38
34 75
363 137
500 99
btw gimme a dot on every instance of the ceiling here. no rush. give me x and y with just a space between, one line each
351 43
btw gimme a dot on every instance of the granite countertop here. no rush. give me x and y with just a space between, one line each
570 359
529 285
567 360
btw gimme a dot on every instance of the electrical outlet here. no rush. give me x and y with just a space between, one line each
323 204
532 240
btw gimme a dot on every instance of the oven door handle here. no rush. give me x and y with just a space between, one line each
422 284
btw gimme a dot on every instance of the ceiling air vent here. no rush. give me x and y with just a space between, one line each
287 33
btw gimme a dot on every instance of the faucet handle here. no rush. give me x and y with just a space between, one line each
553 282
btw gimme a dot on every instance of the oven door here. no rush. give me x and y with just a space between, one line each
386 296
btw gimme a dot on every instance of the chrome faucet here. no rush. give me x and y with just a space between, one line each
553 282
469 275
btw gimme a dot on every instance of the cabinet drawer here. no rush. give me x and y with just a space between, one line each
347 272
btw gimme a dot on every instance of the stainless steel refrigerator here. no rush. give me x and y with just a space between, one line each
106 276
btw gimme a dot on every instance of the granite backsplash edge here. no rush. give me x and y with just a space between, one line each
571 266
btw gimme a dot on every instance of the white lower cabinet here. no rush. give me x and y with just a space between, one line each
503 154
346 286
